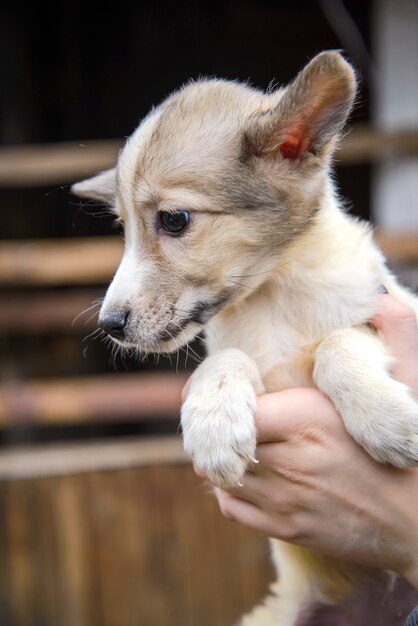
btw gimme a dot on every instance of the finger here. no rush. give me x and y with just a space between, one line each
250 515
282 414
270 491
398 324
254 484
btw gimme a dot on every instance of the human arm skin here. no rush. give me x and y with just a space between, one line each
314 486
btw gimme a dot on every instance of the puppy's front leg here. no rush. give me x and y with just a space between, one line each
352 367
217 417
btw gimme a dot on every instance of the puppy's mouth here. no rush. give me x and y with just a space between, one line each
198 316
175 333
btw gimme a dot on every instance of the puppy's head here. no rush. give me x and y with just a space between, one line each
211 188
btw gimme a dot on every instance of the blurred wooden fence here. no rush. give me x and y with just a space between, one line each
142 545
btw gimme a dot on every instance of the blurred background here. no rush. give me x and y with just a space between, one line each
102 520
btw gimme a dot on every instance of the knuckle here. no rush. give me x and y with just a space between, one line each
282 503
289 533
315 434
298 476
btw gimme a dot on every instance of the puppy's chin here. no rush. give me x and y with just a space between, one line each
164 343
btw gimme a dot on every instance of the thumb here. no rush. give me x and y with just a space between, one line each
398 324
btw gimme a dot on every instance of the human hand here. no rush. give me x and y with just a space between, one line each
316 487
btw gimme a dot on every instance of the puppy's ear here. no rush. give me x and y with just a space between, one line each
310 114
101 187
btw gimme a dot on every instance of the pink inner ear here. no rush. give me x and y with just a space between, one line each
295 144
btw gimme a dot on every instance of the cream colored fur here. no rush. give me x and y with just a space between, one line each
298 278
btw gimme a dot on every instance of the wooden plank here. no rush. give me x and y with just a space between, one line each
5 567
46 460
364 144
399 248
167 505
48 313
204 561
19 506
148 600
46 536
77 592
71 261
32 165
115 397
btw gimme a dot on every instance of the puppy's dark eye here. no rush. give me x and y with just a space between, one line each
174 223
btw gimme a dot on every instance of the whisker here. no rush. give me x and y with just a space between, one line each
94 335
188 346
116 349
90 318
177 350
187 354
89 308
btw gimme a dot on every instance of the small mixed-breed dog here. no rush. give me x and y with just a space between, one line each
233 224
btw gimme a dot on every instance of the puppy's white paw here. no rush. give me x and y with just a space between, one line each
219 430
388 428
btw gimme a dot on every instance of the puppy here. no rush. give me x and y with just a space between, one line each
233 224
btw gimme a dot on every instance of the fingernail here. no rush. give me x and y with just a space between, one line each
382 289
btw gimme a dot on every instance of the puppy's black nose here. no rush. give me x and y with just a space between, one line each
114 324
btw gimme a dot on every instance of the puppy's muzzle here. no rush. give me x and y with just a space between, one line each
114 323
